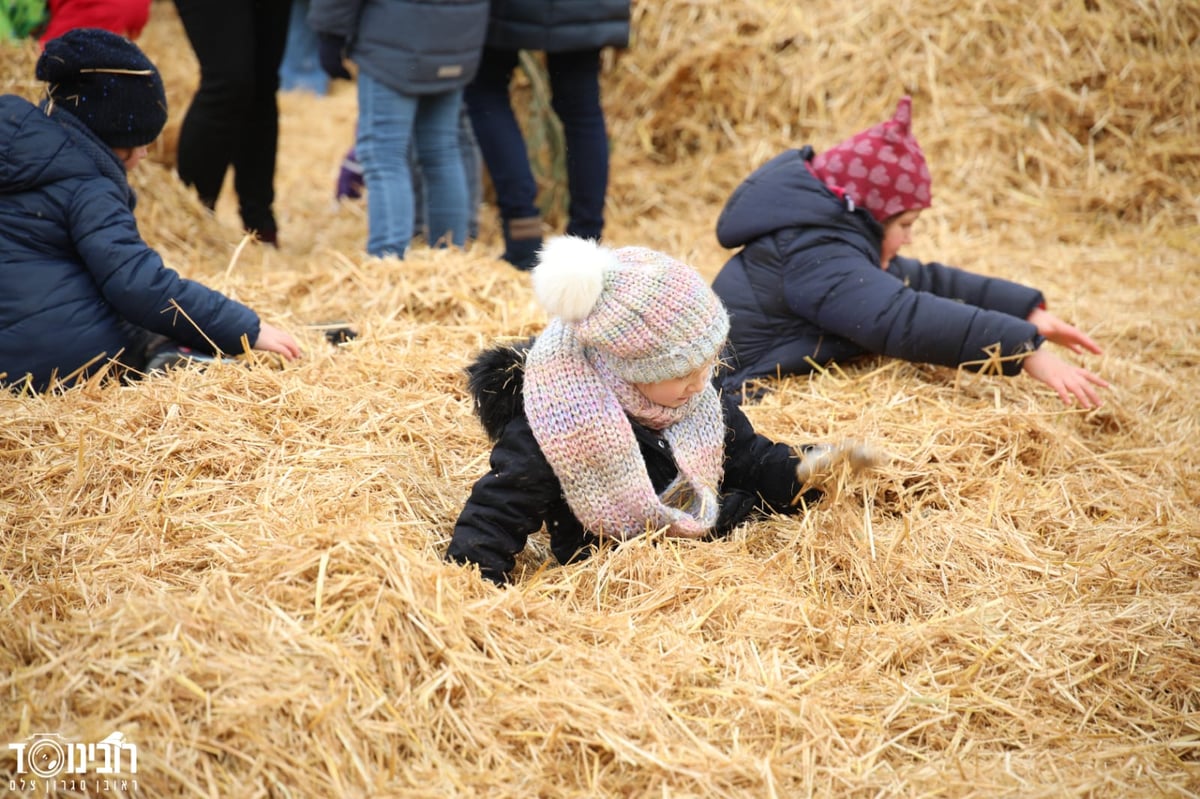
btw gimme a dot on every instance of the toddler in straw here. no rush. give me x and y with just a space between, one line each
78 286
609 425
818 276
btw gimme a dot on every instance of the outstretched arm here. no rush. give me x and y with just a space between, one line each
882 313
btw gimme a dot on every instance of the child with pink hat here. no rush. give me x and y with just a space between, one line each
818 276
609 425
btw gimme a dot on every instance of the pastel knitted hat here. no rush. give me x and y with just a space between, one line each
653 317
108 83
882 168
621 317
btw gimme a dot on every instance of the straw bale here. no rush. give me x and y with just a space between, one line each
240 567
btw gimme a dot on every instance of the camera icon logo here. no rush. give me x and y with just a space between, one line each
46 754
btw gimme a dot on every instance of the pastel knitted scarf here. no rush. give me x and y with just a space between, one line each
579 411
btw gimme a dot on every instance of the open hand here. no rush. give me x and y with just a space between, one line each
1070 382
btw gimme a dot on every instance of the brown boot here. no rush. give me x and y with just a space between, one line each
522 240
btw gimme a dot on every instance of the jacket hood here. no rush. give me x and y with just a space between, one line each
41 149
496 380
781 193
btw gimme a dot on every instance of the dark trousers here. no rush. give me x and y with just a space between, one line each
575 98
234 118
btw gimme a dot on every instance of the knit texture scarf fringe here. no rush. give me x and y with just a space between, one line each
579 412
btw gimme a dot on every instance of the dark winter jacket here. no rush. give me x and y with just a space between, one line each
807 284
76 279
520 493
412 46
556 26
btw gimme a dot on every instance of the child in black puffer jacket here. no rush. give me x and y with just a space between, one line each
609 423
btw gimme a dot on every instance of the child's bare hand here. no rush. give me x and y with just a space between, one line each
1061 333
1070 382
272 339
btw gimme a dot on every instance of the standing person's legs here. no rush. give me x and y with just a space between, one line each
385 125
503 149
436 137
575 90
300 68
472 170
469 151
221 33
420 195
254 159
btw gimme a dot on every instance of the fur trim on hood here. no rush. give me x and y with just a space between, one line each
495 380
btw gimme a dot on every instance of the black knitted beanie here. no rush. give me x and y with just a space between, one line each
108 83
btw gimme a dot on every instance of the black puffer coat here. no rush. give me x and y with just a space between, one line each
520 492
806 284
558 25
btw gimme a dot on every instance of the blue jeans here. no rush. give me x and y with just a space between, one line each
469 151
301 67
575 98
388 122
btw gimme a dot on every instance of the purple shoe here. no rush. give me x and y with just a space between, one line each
350 178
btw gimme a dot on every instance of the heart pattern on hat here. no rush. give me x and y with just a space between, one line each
882 168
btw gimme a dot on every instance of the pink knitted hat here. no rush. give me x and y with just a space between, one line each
621 317
653 317
882 168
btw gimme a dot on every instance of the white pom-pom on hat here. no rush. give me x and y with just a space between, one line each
569 277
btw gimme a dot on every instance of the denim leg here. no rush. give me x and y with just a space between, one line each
469 150
499 136
575 92
385 128
471 169
436 137
420 200
301 68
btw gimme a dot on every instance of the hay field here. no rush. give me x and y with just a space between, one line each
239 568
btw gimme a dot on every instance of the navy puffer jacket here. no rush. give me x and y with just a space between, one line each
414 47
806 284
520 493
556 26
76 279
